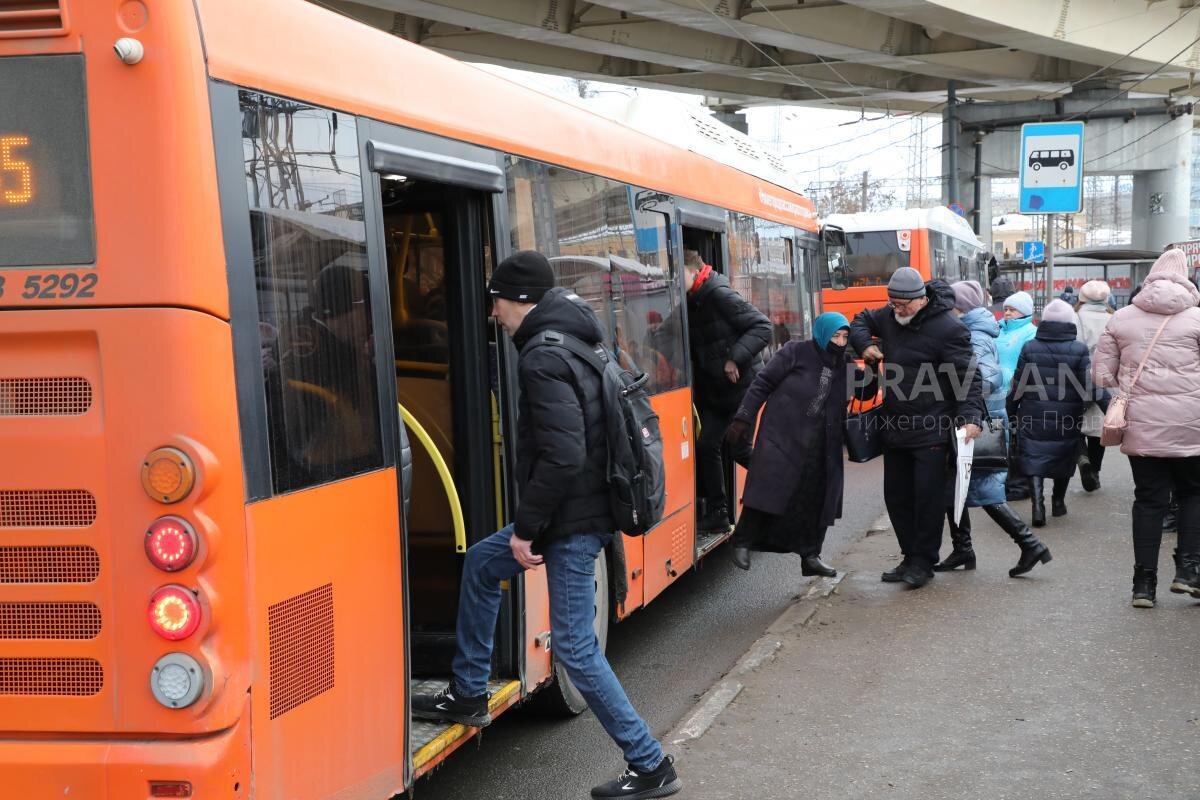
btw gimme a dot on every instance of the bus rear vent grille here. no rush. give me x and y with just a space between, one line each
46 508
29 397
300 635
78 677
74 563
31 18
49 621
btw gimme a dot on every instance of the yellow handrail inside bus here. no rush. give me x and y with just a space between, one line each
460 528
497 444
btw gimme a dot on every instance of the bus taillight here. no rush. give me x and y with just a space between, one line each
170 543
177 681
174 612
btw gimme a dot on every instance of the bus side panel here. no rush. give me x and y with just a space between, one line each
216 766
669 548
635 573
537 629
329 631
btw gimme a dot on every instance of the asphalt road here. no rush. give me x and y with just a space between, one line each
666 656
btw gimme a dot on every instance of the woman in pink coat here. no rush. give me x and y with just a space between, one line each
1162 439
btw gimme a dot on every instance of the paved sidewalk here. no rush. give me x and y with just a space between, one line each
978 686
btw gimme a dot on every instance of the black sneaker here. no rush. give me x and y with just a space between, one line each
661 782
448 706
896 573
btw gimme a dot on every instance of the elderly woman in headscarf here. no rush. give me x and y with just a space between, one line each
794 487
986 489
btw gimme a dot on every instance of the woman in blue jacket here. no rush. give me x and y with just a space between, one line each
987 488
1016 328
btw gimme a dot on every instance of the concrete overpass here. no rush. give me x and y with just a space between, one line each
892 55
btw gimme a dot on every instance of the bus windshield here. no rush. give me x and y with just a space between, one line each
872 257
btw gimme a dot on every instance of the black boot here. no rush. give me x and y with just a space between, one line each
1016 487
896 573
1187 574
1058 501
715 521
741 556
1033 550
813 565
1145 582
963 555
1038 496
1089 476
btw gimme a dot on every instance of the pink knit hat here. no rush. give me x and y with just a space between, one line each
1058 311
1173 262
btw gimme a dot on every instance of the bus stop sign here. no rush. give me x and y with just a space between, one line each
1052 168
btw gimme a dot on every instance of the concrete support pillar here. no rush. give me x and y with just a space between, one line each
985 211
1161 202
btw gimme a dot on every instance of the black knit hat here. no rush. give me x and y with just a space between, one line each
523 277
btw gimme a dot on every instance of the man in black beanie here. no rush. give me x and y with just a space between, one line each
563 521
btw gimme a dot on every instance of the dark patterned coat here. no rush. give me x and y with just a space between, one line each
805 391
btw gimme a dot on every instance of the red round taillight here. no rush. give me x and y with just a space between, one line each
174 612
170 543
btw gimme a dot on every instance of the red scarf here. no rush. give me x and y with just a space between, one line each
704 274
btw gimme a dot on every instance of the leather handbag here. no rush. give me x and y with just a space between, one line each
864 434
991 447
1113 430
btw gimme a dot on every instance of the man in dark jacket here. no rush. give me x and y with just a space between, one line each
563 521
727 336
930 387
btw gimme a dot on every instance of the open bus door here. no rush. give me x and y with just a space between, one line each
704 228
434 207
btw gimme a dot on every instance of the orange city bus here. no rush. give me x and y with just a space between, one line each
935 241
239 243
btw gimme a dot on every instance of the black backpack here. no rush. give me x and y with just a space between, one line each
636 479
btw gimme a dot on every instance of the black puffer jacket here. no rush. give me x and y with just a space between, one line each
931 385
724 326
1050 391
561 444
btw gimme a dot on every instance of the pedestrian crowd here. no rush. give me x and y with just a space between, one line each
949 367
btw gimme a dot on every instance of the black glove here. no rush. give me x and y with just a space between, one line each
736 432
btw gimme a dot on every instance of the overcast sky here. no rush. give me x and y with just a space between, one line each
816 143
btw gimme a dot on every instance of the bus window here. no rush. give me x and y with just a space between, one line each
775 283
872 257
645 295
561 213
309 244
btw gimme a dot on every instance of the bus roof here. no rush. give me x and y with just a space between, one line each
937 218
381 76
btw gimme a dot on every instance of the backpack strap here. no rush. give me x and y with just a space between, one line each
596 357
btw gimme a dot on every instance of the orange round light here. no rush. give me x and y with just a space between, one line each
170 543
174 612
168 475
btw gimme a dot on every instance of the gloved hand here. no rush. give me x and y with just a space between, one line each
736 432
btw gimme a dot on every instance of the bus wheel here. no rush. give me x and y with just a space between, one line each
560 698
1063 165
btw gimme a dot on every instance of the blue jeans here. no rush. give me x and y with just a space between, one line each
570 564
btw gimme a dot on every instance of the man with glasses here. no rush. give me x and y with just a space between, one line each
931 387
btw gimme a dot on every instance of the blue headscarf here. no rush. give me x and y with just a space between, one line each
826 325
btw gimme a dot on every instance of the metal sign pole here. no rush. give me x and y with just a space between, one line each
1049 260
